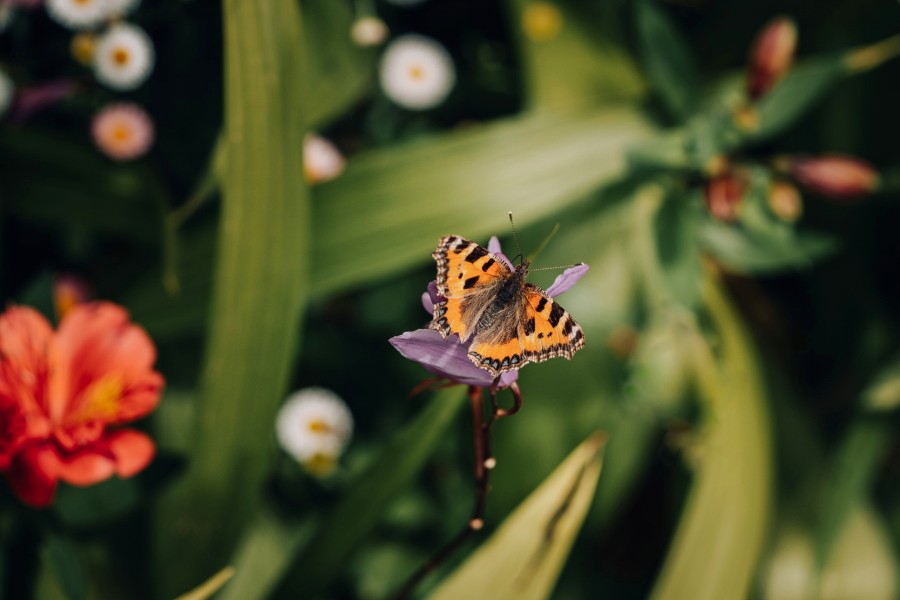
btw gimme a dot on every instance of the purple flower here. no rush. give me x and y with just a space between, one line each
449 358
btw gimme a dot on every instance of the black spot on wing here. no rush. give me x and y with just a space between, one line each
487 264
567 327
476 253
470 282
556 314
529 326
541 304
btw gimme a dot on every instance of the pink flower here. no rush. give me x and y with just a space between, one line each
123 131
834 175
63 394
771 56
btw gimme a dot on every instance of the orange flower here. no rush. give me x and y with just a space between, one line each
66 390
771 56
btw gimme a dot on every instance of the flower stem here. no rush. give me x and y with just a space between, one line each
484 463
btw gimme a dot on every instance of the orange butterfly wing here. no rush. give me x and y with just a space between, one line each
468 276
544 330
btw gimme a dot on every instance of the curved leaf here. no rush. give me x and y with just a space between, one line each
525 556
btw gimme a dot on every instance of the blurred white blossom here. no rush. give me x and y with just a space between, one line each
123 57
416 72
314 426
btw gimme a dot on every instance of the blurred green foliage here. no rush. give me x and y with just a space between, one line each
744 372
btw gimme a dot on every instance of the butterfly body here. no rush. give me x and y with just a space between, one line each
511 322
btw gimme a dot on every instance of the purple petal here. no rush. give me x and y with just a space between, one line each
32 99
494 248
446 358
567 279
431 297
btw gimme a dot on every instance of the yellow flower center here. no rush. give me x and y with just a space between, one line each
120 56
121 133
416 72
319 427
100 401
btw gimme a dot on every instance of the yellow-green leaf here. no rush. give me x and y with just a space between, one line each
722 528
525 556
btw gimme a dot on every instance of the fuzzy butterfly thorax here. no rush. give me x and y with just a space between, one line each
510 322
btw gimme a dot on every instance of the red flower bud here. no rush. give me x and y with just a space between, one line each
834 175
724 194
771 56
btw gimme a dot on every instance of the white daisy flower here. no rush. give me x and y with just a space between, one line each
7 91
369 31
416 72
321 159
314 426
77 14
119 8
123 57
123 131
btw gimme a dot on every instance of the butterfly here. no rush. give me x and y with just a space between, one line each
511 322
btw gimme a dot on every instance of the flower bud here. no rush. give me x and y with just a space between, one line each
541 21
724 194
771 56
369 31
785 201
83 47
68 292
834 175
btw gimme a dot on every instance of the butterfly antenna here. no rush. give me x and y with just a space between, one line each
512 225
543 245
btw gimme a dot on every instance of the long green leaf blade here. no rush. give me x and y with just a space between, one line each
721 533
260 284
392 205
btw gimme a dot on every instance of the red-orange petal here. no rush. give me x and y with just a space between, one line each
86 468
25 339
133 451
33 475
97 340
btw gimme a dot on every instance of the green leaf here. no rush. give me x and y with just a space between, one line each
259 293
62 559
883 394
677 225
209 587
863 564
744 252
265 552
361 507
96 504
338 72
667 59
524 557
805 85
850 478
389 208
582 64
723 525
